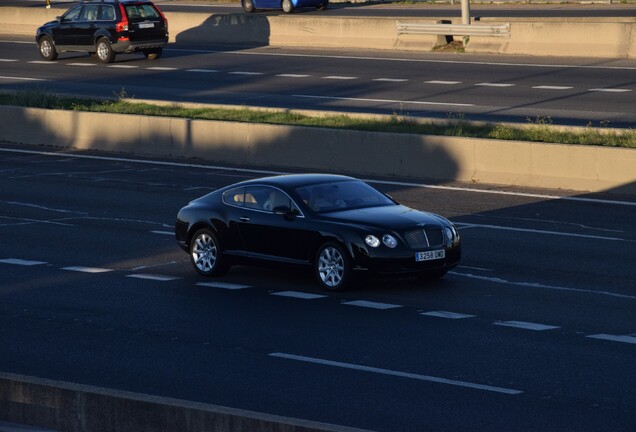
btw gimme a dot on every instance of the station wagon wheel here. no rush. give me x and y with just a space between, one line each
248 6
206 255
333 267
105 53
47 49
153 54
288 6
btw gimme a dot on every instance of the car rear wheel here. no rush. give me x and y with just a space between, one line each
47 48
288 6
248 6
153 54
206 255
333 267
105 53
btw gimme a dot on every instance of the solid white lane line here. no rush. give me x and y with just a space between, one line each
399 374
613 338
525 325
442 82
535 231
160 278
272 172
299 295
547 87
391 79
202 70
383 100
495 85
87 269
223 285
541 286
371 305
17 261
610 90
337 77
447 315
293 76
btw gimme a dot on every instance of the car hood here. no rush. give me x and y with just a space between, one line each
394 217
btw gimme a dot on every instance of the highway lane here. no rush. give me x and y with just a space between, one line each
422 10
474 87
535 331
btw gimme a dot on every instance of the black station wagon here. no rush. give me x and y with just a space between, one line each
105 28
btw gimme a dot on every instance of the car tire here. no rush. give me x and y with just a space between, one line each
206 254
153 54
47 48
322 6
288 6
105 53
248 6
333 267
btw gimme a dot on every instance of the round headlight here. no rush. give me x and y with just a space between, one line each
372 241
389 241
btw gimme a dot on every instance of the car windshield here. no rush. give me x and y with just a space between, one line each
342 195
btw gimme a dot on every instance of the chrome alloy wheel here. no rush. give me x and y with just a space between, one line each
204 253
331 266
46 48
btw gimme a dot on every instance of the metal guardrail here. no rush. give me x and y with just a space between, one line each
502 30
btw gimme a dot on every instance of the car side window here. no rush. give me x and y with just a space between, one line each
106 13
234 197
72 14
89 13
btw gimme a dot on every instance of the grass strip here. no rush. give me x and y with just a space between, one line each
540 129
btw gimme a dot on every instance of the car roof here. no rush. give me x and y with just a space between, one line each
298 180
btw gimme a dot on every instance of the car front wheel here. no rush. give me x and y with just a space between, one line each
105 53
47 48
333 267
206 255
288 6
248 6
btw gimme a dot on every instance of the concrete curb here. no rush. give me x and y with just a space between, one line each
582 37
423 157
70 407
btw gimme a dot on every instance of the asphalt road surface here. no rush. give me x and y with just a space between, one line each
535 331
599 92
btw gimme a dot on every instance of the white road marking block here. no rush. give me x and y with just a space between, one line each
170 233
202 70
370 304
494 85
300 295
442 82
87 269
338 77
525 325
160 278
624 339
16 261
223 285
448 315
547 87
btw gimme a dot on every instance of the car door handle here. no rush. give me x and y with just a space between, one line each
244 219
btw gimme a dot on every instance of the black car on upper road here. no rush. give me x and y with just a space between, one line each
336 224
106 28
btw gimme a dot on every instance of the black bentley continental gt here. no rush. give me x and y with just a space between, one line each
338 225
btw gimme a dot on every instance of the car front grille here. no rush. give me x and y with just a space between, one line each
424 238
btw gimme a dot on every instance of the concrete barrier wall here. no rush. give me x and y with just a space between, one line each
585 37
71 407
582 168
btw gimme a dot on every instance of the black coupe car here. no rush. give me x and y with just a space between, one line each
338 225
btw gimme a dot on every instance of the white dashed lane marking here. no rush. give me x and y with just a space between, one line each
494 85
547 87
8 60
442 82
202 70
82 64
610 90
299 295
615 338
338 77
21 262
159 278
223 285
123 66
371 305
167 233
158 68
245 73
87 269
390 79
526 325
447 315
293 76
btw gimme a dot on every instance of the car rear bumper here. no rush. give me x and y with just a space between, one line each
132 46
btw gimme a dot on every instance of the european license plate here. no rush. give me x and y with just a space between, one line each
146 25
430 255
